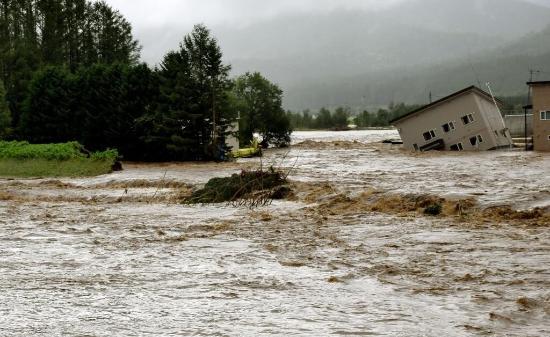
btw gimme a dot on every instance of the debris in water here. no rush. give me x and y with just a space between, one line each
251 188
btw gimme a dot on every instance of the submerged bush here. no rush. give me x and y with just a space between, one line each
433 209
254 187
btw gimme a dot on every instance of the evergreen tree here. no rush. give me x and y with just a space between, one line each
340 118
5 115
48 114
193 109
364 119
71 33
111 99
324 119
52 31
112 35
262 110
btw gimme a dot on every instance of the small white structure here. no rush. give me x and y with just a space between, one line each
469 119
232 140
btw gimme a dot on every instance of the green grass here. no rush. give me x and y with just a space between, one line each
21 159
41 168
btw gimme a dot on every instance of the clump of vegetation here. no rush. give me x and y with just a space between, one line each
250 188
21 159
433 209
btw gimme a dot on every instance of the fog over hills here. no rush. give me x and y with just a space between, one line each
369 58
366 52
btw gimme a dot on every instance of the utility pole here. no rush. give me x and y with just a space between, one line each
488 84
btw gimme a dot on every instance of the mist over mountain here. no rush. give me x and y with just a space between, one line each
401 53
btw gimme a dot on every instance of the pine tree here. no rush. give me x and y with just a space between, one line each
211 82
52 31
5 116
193 111
70 33
48 114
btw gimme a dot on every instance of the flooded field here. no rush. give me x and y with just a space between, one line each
351 254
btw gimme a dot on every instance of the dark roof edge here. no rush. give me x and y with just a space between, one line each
538 82
446 98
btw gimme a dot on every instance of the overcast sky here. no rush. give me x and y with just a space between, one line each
160 24
213 12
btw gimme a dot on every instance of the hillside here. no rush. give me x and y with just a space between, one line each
342 43
367 57
507 68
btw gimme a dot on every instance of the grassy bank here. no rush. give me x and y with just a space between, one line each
13 168
24 160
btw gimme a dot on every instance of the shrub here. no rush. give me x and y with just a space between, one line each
433 209
24 150
108 155
59 152
256 187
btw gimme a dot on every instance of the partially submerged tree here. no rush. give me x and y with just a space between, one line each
261 110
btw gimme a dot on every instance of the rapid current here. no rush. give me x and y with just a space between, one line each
119 255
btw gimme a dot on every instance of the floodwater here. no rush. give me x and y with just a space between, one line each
117 255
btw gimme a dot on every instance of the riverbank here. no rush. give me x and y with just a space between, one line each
40 168
24 160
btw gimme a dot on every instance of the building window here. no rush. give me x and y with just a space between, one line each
476 140
457 147
448 127
429 135
469 118
545 115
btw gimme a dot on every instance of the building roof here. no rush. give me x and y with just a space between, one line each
447 98
539 83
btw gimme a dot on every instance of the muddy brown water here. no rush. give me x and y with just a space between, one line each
116 255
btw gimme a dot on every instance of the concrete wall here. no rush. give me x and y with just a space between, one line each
516 125
541 128
487 120
496 127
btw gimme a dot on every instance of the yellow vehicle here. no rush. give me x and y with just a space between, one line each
254 150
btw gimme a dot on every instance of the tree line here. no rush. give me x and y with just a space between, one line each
70 72
341 118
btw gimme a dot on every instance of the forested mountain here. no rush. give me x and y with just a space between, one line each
507 68
364 58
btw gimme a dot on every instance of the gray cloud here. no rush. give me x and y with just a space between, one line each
160 25
188 12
